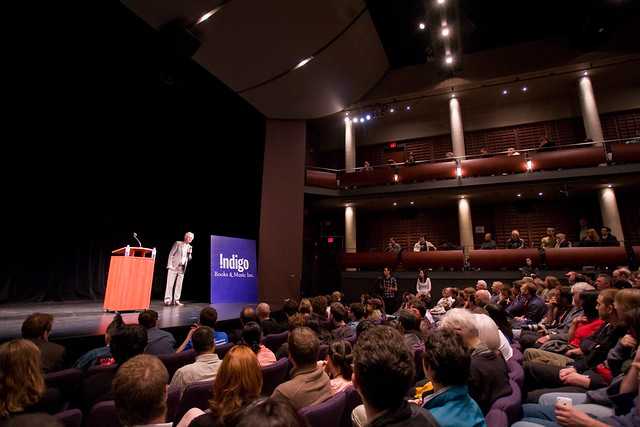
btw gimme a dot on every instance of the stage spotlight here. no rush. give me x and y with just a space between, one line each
609 186
440 1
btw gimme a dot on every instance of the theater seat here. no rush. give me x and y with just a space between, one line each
516 373
173 401
223 349
103 414
70 418
511 404
196 395
496 418
274 341
352 399
326 414
274 375
67 381
175 361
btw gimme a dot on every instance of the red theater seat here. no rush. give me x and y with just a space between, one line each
427 171
323 179
374 260
566 257
502 258
493 166
625 153
570 158
433 259
378 176
636 251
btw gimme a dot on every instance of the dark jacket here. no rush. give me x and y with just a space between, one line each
159 342
407 415
345 332
596 349
52 354
270 326
488 379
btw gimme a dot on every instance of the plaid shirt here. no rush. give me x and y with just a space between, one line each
389 287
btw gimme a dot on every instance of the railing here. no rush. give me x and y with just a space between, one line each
585 154
496 259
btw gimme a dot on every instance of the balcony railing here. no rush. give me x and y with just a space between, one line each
571 156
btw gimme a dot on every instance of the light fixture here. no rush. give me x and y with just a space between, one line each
459 172
368 116
445 31
208 15
519 195
346 120
462 197
346 114
422 26
529 165
440 1
408 107
303 62
586 73
524 88
540 194
448 60
361 119
395 177
355 120
453 95
411 203
395 203
505 92
609 186
392 110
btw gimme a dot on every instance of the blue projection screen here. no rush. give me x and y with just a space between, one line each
234 270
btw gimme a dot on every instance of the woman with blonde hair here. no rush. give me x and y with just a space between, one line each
238 383
22 387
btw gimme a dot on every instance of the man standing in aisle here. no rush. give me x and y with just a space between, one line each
388 285
179 257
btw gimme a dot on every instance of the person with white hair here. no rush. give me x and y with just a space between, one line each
483 297
491 335
179 257
481 284
488 379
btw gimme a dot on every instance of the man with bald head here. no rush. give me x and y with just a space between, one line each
269 326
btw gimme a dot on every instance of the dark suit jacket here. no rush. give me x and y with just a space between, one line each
270 326
53 355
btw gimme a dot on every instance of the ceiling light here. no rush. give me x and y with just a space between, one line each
524 88
208 15
440 1
445 32
529 165
519 195
449 59
453 95
361 119
368 116
586 73
346 120
609 186
346 114
396 177
540 194
303 62
395 204
422 26
408 108
411 203
391 110
355 120
505 92
459 172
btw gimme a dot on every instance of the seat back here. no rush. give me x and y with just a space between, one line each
70 418
103 414
173 401
274 341
222 350
516 373
274 375
511 404
326 414
94 370
196 395
68 382
496 418
352 399
517 355
175 361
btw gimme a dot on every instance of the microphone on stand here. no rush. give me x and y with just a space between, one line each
135 236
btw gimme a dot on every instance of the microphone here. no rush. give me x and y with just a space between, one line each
135 236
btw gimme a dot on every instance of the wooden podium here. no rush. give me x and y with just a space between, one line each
130 279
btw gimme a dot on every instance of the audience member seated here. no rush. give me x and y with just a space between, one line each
338 365
498 315
101 356
37 328
252 338
309 384
129 342
548 284
411 328
445 303
488 331
488 380
591 239
22 387
319 314
341 330
248 314
269 326
596 365
140 392
528 268
529 308
446 364
549 240
515 242
608 239
561 241
411 160
305 306
488 242
356 313
483 297
295 321
596 310
366 167
622 279
560 314
207 361
393 246
505 298
603 281
160 342
423 245
269 413
470 301
237 384
383 372
481 284
208 317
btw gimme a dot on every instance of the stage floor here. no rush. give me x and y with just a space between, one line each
86 318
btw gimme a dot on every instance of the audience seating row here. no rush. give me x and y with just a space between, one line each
507 410
495 259
568 158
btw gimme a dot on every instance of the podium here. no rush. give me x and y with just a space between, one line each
130 279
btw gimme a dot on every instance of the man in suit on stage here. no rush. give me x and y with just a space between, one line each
179 257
